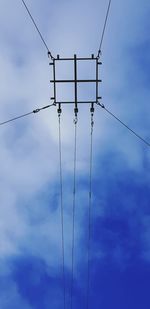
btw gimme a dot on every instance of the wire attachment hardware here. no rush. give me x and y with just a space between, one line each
99 54
36 110
59 110
100 104
39 109
75 111
75 119
92 117
49 54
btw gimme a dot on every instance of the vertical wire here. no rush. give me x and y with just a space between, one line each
73 211
89 209
62 215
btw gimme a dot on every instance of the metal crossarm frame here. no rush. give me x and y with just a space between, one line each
76 81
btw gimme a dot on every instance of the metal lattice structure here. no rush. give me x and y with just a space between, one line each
75 80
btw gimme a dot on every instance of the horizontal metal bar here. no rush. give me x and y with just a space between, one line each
73 102
76 81
66 59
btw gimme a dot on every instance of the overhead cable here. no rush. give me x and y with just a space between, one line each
104 28
24 115
41 36
73 210
62 213
89 206
126 126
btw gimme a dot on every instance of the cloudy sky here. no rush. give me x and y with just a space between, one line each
30 226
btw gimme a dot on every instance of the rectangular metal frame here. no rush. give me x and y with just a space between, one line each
55 81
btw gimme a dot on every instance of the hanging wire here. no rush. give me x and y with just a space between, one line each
89 207
62 213
24 115
104 28
41 36
131 131
74 204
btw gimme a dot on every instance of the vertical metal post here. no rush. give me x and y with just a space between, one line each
75 85
97 75
54 74
96 79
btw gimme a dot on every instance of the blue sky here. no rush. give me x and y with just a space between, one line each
30 231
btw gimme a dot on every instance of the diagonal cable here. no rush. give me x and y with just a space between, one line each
73 210
62 215
27 114
104 28
126 126
89 210
36 27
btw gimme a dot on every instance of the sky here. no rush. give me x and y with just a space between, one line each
30 225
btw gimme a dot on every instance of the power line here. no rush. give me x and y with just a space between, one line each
104 28
62 214
24 115
133 132
89 208
41 36
74 204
